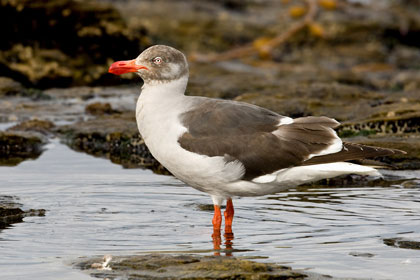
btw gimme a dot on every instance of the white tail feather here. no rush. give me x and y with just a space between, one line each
304 174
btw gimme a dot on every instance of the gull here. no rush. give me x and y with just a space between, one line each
233 149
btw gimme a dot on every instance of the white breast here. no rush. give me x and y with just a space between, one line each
157 113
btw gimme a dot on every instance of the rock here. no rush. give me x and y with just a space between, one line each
407 81
164 266
332 99
391 21
116 138
382 126
402 243
405 57
44 127
10 216
71 42
11 212
415 184
363 255
99 108
210 23
350 180
17 146
409 144
9 87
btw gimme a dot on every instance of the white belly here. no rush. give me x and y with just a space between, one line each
160 128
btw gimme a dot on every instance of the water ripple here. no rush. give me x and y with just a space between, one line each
95 207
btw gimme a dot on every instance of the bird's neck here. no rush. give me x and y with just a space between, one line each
166 88
158 98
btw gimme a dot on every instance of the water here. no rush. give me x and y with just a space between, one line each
95 207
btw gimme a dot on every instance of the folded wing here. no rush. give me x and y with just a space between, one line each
263 141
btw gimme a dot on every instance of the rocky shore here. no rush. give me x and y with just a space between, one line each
166 266
371 86
363 71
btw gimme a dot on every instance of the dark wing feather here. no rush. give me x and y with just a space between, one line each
218 117
251 134
352 151
260 153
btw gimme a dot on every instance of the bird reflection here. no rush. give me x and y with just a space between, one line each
217 241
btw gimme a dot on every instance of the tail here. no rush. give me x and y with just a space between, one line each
310 173
333 165
352 151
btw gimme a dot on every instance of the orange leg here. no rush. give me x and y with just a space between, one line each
217 218
229 216
217 223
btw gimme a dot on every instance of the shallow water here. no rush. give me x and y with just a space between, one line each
95 207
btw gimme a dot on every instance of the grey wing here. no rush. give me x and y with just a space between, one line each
261 140
219 117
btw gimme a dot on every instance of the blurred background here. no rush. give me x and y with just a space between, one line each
69 42
354 60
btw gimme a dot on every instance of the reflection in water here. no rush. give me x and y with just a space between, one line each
217 241
97 208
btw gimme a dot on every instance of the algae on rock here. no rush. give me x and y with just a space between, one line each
165 266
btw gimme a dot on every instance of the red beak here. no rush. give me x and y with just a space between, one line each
121 67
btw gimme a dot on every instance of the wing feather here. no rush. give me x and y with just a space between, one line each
255 136
352 151
262 142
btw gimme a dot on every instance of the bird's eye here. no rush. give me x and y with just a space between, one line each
157 60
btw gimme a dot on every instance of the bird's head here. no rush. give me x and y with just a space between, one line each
157 64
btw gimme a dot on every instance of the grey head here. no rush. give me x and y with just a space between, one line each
163 63
157 64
